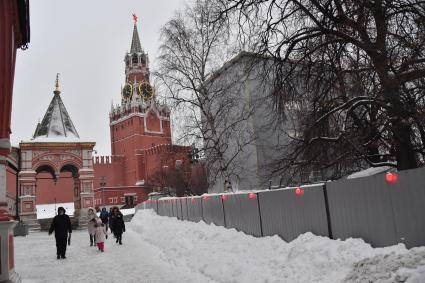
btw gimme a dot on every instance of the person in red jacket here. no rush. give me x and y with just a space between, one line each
61 225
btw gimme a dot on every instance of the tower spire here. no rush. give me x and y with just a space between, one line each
57 91
136 47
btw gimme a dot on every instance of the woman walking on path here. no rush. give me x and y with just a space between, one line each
100 235
117 222
91 222
61 224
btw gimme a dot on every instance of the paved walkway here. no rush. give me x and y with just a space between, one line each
134 261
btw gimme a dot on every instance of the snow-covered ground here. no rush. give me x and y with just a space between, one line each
50 210
163 249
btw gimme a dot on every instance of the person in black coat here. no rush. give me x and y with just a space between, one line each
61 224
117 222
111 214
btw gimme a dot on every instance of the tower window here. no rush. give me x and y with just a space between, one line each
135 59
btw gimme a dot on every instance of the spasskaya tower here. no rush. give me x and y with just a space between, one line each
140 121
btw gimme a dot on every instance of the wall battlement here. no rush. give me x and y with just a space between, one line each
108 159
165 148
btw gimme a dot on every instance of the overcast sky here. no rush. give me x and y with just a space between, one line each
84 41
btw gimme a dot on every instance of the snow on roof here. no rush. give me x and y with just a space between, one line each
369 172
56 124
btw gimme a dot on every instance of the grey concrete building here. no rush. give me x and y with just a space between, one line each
241 89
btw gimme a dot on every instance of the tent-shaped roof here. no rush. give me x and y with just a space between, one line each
56 124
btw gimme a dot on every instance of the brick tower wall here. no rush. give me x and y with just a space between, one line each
111 167
129 135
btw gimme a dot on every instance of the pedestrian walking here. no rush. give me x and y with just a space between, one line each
100 235
61 225
110 221
91 222
117 221
104 216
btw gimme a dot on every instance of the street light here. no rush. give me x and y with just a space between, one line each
102 186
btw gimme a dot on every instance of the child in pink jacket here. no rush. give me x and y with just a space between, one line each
100 235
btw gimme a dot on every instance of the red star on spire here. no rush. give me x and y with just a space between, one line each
135 18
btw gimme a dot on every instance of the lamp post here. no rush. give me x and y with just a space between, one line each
102 187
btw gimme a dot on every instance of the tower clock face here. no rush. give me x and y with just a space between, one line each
146 90
127 91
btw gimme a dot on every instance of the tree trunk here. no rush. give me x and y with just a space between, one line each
401 132
404 153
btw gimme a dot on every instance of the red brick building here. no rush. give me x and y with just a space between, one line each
59 167
14 34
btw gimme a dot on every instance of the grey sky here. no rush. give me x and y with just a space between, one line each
84 41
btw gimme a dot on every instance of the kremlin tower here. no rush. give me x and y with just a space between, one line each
140 121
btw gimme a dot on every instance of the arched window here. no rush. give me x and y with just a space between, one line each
135 59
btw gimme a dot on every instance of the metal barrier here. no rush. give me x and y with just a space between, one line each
289 215
213 210
194 209
242 213
382 211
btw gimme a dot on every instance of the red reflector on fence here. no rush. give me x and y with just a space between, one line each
193 199
205 197
299 192
252 196
224 197
391 177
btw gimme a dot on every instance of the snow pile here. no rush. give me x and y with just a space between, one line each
369 172
405 267
225 255
50 210
128 211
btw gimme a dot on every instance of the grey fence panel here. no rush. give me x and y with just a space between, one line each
185 215
285 214
155 206
242 214
175 208
212 209
169 204
161 208
361 208
164 208
194 208
408 199
179 209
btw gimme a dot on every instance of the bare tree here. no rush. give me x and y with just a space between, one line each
355 71
193 48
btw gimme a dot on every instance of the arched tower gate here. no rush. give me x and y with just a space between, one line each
54 148
54 158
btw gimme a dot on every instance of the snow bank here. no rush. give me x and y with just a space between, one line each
393 267
225 255
50 210
128 211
